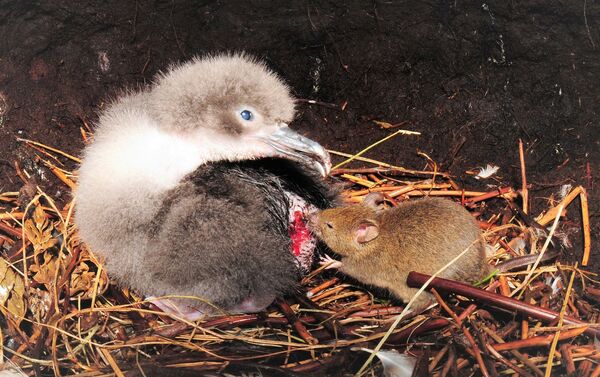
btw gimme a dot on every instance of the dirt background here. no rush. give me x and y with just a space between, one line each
473 77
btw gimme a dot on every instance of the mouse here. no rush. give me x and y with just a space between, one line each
381 246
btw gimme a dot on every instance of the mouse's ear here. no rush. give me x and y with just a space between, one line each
367 231
374 200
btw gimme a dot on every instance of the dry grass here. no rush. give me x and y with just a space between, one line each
62 316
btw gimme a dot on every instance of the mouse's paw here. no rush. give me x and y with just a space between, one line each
329 262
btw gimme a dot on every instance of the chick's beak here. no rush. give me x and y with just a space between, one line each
292 145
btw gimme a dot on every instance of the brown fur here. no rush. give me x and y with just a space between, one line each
421 235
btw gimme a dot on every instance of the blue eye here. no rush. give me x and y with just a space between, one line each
246 115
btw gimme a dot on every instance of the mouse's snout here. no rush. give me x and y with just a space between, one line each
313 221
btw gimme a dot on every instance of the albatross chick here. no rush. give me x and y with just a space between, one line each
195 186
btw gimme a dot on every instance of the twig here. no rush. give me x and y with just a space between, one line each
359 181
420 328
508 363
398 132
111 361
73 158
20 173
321 316
399 190
379 170
537 341
492 194
10 230
567 359
391 310
459 193
515 353
319 103
524 191
438 357
416 280
395 168
449 362
295 322
560 324
466 332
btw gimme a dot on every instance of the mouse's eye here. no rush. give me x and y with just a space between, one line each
329 225
246 115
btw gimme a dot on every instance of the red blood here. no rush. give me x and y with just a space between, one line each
299 232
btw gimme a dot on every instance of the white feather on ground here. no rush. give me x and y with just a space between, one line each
10 369
395 364
487 171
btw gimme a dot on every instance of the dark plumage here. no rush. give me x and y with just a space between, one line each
212 204
190 186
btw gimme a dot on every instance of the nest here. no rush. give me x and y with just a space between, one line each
63 316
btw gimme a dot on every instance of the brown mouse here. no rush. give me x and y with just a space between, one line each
381 246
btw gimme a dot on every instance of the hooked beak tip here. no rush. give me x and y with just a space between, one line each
290 144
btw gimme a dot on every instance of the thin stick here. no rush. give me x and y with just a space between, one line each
20 173
96 284
10 230
560 324
508 363
438 357
295 322
585 223
383 169
524 192
111 361
386 165
503 191
466 332
322 287
515 353
537 341
60 175
416 280
319 103
567 357
399 190
73 158
359 181
358 199
403 132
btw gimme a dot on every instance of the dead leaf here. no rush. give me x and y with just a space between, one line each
46 272
38 230
12 290
39 303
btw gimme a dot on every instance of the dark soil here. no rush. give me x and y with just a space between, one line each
473 77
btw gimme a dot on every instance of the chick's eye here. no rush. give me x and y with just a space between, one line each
246 115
